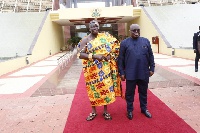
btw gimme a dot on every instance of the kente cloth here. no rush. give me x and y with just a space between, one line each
103 82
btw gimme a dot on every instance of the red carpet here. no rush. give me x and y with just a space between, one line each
164 119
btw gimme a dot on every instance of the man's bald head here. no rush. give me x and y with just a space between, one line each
135 31
93 23
94 27
134 27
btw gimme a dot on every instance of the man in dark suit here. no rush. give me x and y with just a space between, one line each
196 47
136 65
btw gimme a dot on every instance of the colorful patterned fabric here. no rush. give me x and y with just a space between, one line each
102 80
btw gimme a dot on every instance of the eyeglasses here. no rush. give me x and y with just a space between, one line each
135 30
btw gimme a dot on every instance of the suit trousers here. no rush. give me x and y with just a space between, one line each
197 59
130 93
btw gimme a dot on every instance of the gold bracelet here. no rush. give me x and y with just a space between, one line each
90 56
112 55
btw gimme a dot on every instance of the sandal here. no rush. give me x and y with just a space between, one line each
91 116
107 116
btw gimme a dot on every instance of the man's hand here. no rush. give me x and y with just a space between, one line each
195 50
123 77
99 57
107 58
151 73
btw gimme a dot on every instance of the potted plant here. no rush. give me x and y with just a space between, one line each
69 44
75 40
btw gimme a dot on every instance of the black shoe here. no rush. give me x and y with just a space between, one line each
147 113
130 115
196 70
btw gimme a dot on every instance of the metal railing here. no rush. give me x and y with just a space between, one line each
64 60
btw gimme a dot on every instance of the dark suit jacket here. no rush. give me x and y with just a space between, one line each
136 59
195 37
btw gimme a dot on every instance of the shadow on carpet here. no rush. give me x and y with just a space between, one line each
164 120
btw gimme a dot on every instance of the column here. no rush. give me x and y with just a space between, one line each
107 3
75 4
68 4
113 2
128 2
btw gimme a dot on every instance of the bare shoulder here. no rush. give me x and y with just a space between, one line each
84 41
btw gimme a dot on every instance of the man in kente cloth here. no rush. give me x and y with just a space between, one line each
99 53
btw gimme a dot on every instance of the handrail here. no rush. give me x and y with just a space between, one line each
64 59
62 56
